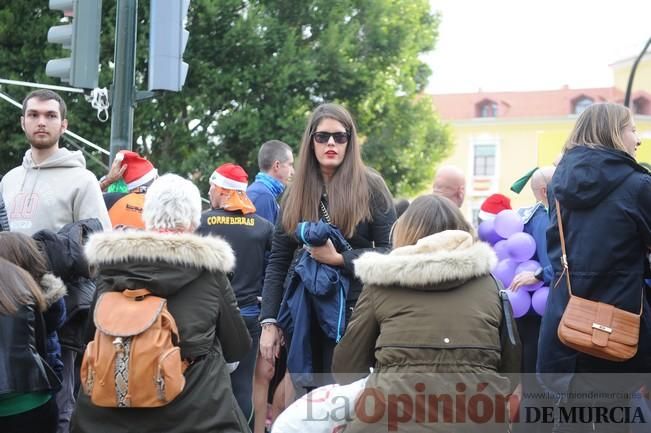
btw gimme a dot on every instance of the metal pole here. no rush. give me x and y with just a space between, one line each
124 75
629 86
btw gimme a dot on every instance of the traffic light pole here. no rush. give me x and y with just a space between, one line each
124 75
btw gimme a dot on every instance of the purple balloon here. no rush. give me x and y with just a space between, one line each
486 232
508 222
520 302
505 271
539 300
521 246
529 266
501 250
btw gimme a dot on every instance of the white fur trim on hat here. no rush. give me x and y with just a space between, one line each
224 182
151 175
485 216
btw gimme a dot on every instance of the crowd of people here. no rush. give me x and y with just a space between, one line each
313 276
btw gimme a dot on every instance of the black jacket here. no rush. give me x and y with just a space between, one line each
605 200
373 235
66 259
250 238
22 350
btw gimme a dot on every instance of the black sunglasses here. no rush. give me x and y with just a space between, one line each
324 137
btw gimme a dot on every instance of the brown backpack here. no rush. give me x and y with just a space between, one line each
134 360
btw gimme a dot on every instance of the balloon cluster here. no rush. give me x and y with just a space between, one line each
514 250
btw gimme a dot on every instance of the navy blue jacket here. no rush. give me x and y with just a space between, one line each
605 200
536 222
314 289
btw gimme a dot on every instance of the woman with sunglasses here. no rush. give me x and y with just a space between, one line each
330 183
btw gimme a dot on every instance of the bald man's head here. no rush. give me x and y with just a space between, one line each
539 182
450 182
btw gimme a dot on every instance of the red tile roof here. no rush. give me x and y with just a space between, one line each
544 103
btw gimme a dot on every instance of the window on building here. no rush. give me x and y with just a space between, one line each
581 104
487 108
484 160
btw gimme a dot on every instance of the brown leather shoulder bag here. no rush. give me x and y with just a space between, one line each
598 329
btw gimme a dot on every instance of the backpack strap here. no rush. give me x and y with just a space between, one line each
136 293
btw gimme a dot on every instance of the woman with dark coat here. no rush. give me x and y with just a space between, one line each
605 206
430 320
190 272
27 403
23 251
331 176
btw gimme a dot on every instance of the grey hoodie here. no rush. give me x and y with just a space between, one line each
52 194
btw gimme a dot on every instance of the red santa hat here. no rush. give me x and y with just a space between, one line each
230 176
493 205
139 170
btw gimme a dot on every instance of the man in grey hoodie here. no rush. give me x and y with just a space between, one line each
50 189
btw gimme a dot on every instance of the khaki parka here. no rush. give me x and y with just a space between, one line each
429 322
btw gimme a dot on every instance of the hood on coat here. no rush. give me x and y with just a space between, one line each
61 158
53 288
444 260
185 249
586 176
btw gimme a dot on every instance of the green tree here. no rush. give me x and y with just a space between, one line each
257 68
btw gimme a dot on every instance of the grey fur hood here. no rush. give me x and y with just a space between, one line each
53 288
439 261
185 249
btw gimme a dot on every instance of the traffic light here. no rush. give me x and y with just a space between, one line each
167 40
81 37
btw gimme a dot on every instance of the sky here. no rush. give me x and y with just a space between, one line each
511 45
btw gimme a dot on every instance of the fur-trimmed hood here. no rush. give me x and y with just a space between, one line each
185 249
439 261
53 288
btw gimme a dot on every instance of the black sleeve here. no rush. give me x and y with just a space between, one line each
282 251
231 329
383 216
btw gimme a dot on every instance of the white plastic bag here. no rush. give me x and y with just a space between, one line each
324 410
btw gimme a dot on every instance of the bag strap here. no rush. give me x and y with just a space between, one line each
566 269
326 216
136 293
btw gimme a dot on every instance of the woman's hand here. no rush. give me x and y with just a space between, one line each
327 254
522 279
270 342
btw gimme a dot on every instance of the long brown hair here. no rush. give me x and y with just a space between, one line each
17 288
600 125
427 215
23 251
348 190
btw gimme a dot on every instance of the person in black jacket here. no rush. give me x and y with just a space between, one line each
23 251
333 183
233 218
26 389
605 206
